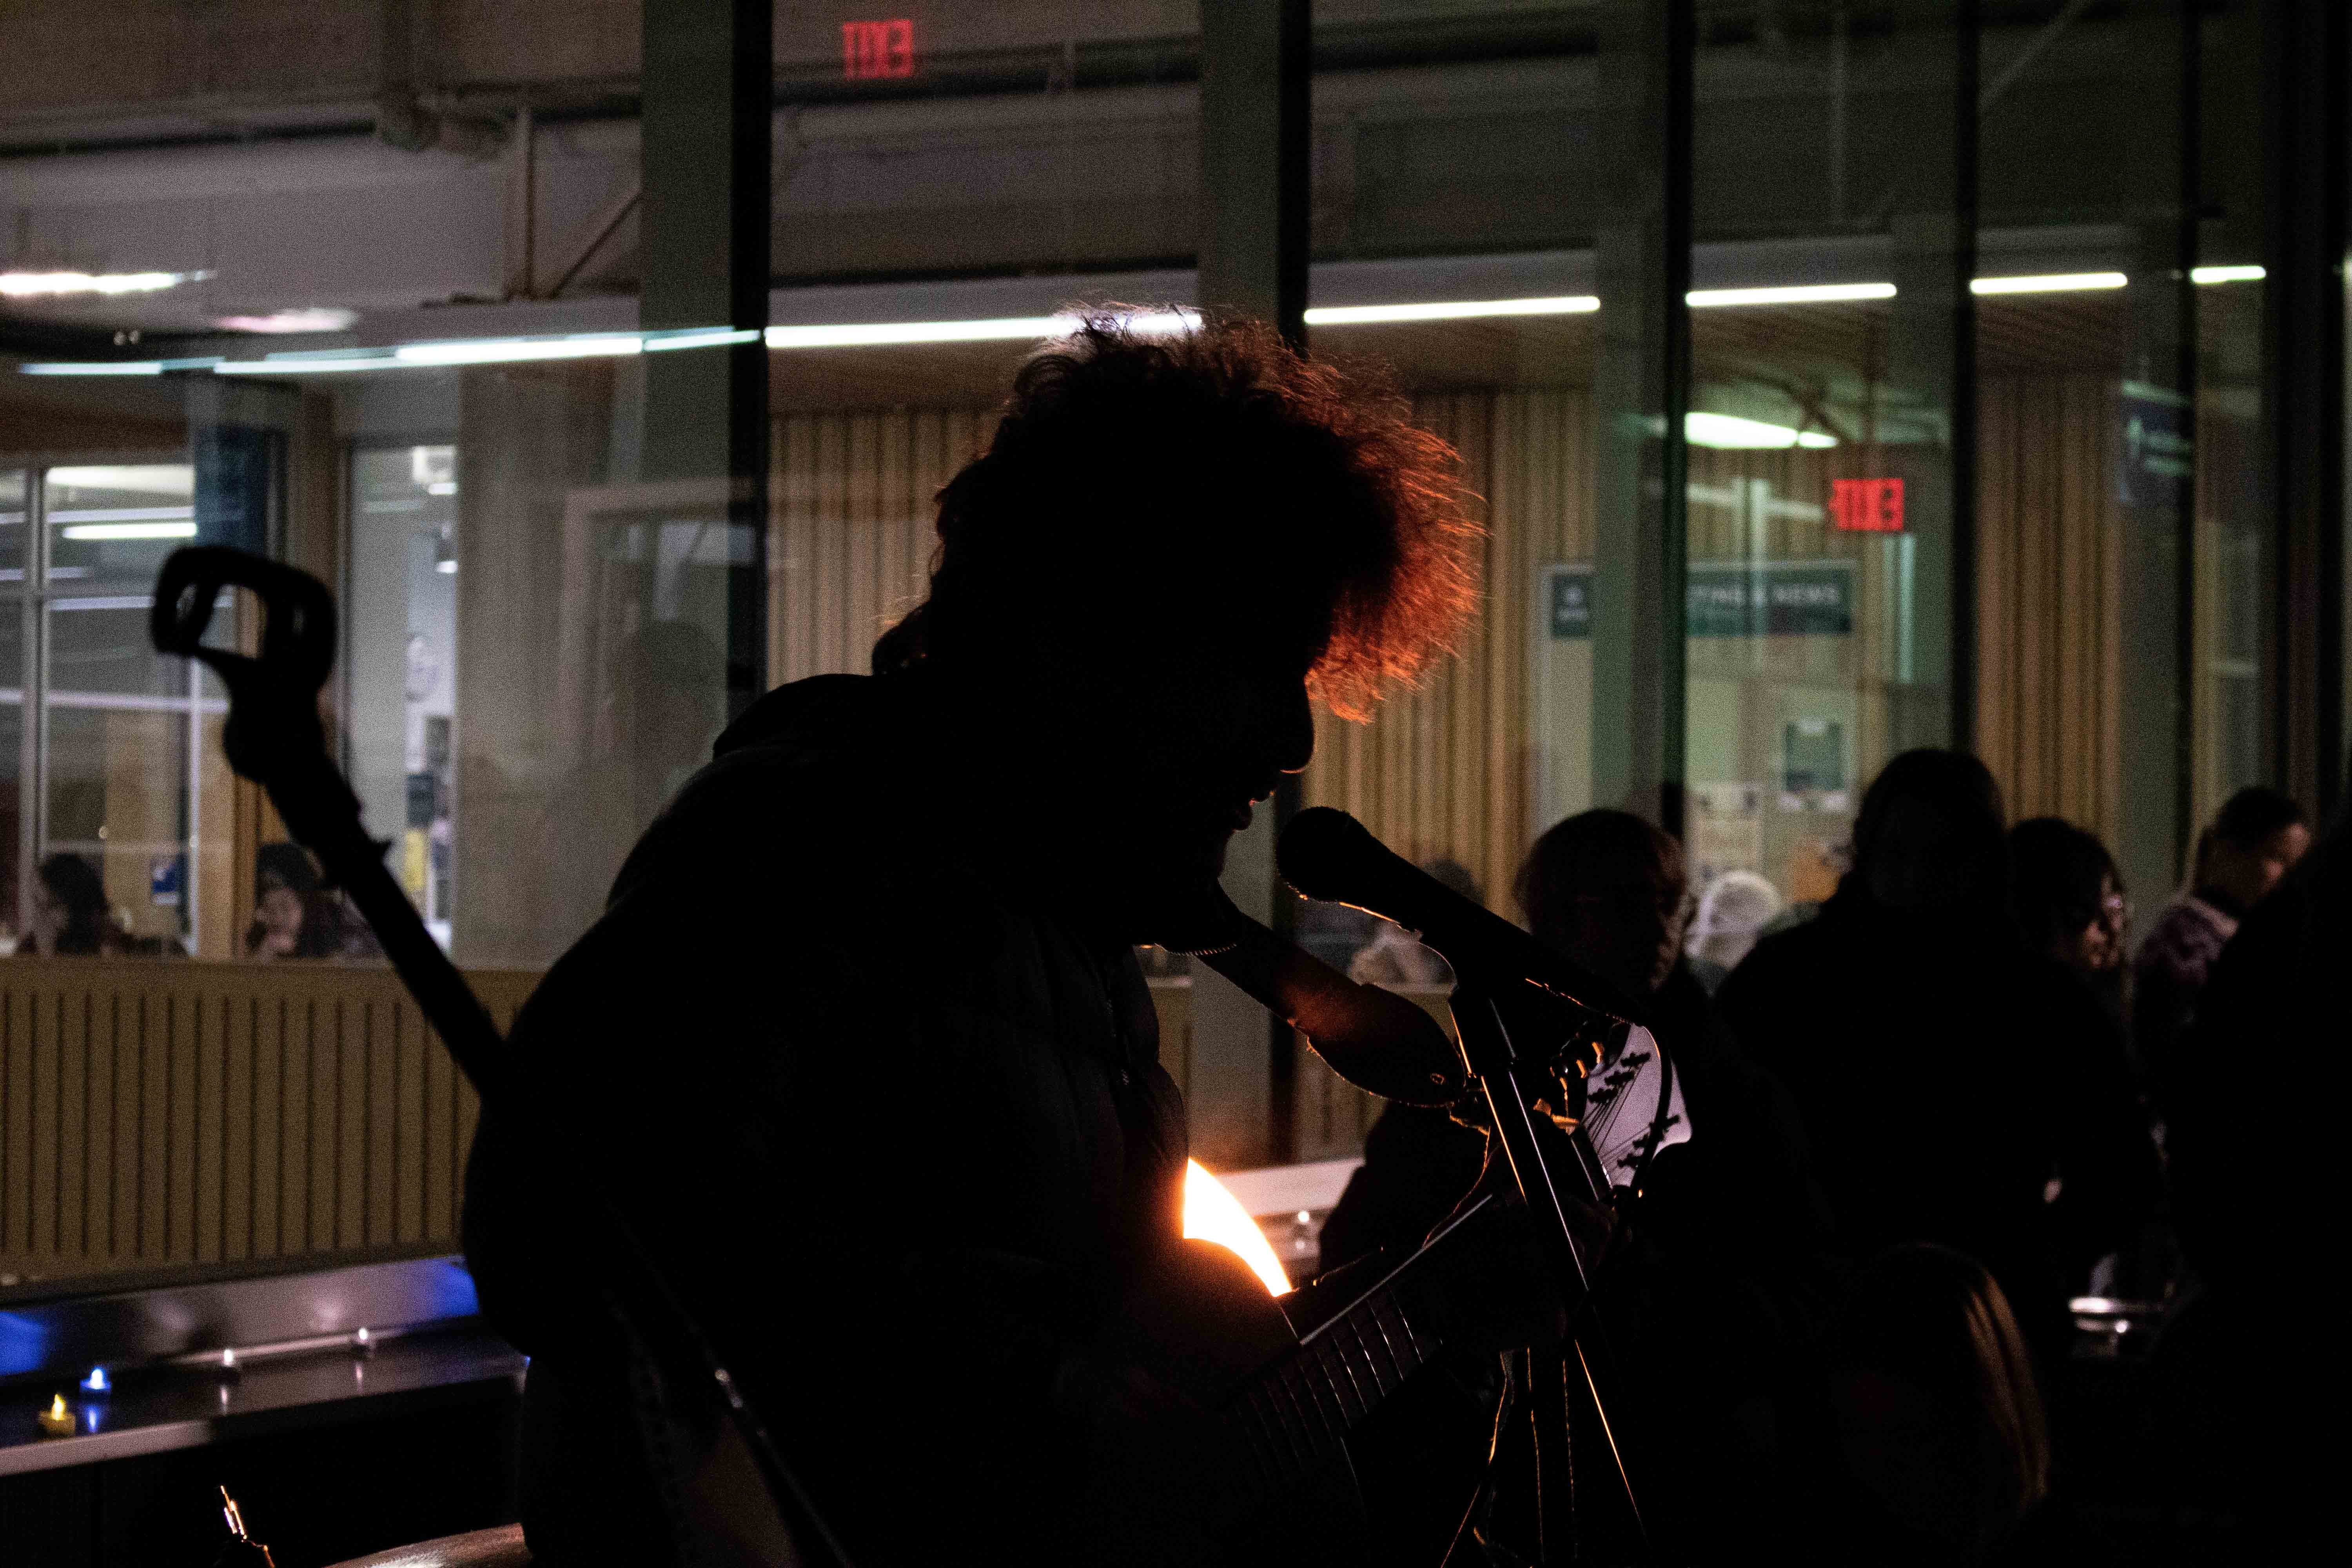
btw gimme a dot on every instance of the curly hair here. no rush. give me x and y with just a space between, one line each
1141 483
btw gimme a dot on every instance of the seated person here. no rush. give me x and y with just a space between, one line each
1732 913
860 1046
2255 838
295 915
2068 900
1939 1449
1720 1278
1954 1086
70 914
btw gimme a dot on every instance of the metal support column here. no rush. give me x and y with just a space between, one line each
1256 77
1640 393
2305 162
707 86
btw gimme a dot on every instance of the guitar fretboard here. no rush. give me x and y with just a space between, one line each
1294 1416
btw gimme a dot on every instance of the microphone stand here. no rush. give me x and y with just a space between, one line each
1511 1082
273 736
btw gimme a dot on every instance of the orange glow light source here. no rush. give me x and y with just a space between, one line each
1213 1213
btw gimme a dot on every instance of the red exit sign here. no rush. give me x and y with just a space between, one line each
1866 506
870 49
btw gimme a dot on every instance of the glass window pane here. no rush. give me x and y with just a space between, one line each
1819 522
112 524
401 635
118 800
15 504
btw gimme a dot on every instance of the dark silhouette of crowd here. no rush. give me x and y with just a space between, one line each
1931 1118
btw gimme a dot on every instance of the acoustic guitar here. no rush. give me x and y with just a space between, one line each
1306 1387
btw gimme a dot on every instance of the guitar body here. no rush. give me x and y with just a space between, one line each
1393 1493
1206 1327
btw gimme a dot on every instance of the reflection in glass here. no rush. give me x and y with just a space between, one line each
112 792
403 640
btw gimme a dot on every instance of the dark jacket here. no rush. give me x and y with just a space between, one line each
892 1121
1954 1089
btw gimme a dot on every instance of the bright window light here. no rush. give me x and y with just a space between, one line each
2226 275
1450 311
1729 432
1799 294
2049 283
36 285
99 530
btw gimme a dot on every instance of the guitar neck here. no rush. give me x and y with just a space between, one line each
1296 1414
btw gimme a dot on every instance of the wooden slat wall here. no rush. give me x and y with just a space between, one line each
2049 541
851 528
156 1114
1444 770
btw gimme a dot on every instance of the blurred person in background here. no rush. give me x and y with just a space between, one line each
1939 1445
295 915
2250 843
1954 1086
1732 913
70 914
2255 1177
1395 957
1720 1278
2068 900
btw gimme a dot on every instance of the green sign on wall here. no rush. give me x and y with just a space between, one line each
1730 599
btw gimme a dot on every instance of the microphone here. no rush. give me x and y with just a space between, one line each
1377 1040
1326 854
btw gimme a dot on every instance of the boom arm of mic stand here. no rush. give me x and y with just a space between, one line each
1495 1062
273 736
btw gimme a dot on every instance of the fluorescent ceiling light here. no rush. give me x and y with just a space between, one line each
34 285
1799 294
875 334
1450 311
997 329
2226 275
98 367
121 514
146 478
507 350
1729 432
700 338
311 319
97 530
2049 283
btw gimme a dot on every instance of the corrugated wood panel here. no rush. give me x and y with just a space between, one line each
852 528
184 1113
2049 608
1443 769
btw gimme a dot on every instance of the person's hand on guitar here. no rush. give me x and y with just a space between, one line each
1499 1285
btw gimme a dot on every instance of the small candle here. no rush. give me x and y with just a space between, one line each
96 1382
57 1420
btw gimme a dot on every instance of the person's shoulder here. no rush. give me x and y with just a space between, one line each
1784 955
